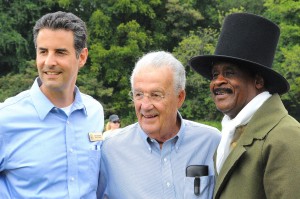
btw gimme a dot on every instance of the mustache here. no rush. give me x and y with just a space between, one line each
150 113
218 91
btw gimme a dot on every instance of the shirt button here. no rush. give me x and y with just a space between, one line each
72 179
165 159
168 184
71 150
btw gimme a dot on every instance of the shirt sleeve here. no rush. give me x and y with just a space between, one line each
102 185
2 150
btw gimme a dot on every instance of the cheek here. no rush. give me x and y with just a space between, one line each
211 87
137 108
38 61
39 66
243 96
168 109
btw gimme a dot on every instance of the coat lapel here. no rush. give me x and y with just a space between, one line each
256 129
227 169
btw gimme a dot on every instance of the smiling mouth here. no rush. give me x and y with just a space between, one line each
222 91
149 116
52 73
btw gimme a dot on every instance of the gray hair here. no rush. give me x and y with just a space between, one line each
66 21
160 59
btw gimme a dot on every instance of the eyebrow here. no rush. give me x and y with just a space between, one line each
41 48
151 91
57 49
61 49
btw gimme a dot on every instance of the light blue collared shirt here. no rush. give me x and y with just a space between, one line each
43 152
134 166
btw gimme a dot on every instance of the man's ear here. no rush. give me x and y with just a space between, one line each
83 57
259 82
181 98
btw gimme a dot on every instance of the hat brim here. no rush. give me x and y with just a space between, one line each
275 82
115 119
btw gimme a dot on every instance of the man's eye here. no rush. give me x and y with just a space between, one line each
42 52
61 52
229 73
214 75
138 94
156 95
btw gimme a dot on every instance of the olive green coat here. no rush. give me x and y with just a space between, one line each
266 160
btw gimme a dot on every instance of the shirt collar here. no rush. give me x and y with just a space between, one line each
180 133
78 102
43 105
177 138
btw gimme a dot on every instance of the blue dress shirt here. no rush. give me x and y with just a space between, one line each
134 167
46 154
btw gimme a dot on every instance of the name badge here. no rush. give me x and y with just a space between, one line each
95 136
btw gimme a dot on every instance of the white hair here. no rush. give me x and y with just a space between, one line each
160 59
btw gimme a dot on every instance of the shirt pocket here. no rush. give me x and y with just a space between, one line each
206 187
94 165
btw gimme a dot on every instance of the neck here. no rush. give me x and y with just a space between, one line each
59 98
159 142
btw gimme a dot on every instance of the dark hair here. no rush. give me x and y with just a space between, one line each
66 21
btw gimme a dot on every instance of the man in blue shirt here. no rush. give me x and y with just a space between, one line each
149 159
49 146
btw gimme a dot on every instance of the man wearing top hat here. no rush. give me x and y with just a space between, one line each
258 156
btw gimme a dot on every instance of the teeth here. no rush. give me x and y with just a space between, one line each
52 73
148 116
222 91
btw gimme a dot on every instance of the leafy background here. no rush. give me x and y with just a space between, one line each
120 31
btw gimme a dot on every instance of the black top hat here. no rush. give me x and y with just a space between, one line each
249 41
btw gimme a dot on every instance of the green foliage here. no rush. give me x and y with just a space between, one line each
198 104
291 71
181 15
255 7
15 18
99 25
11 84
287 14
216 124
223 14
120 31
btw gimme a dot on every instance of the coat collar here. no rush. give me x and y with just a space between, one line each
273 111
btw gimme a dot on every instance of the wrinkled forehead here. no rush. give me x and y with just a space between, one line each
149 78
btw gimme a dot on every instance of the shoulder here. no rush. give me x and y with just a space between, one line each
121 135
14 101
286 130
201 133
90 102
199 128
16 108
88 98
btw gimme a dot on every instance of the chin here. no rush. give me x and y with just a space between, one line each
148 131
222 109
